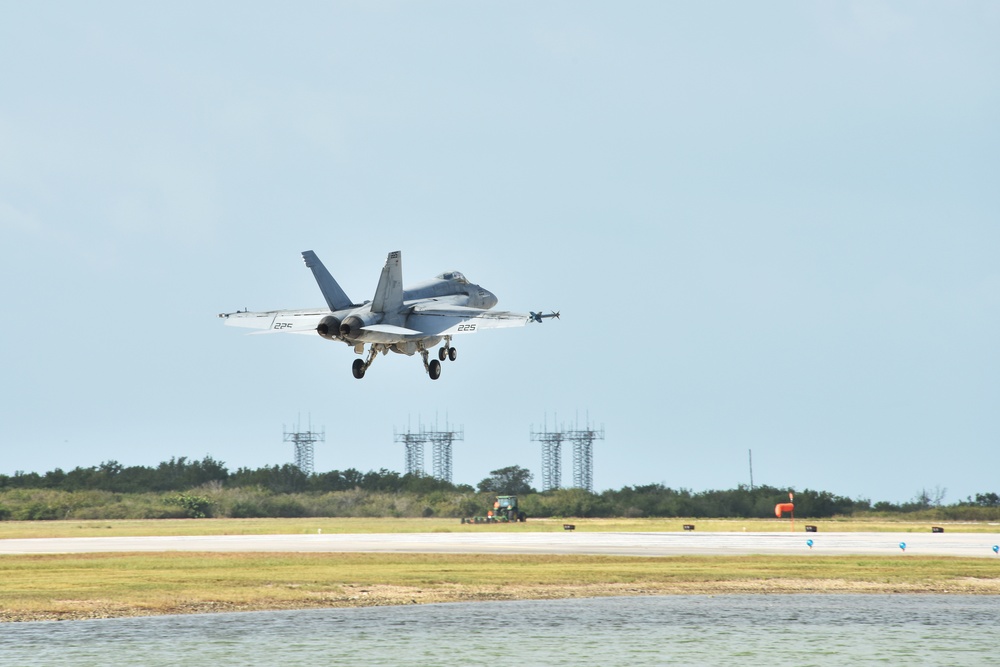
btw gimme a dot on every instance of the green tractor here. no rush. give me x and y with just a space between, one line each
504 511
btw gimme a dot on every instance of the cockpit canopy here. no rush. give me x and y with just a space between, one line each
455 276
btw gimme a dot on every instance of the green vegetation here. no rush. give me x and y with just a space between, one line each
180 488
509 481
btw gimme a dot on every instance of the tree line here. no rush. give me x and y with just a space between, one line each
179 474
201 488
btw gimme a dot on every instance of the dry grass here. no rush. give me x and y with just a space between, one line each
111 585
127 528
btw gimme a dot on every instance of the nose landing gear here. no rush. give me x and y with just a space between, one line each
446 351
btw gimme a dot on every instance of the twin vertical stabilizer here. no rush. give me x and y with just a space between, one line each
389 293
335 297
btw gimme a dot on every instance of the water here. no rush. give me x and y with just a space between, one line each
676 630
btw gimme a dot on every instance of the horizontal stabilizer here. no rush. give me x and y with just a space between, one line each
390 329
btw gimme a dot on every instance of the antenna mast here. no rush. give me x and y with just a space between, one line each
414 444
441 452
583 454
303 442
551 455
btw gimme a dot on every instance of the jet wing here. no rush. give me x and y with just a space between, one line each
277 321
439 320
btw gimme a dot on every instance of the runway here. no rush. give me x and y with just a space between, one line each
975 545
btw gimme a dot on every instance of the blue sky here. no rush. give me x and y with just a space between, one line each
769 226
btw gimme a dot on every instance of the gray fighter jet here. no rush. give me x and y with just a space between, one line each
406 321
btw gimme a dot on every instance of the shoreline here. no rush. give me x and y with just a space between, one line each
382 595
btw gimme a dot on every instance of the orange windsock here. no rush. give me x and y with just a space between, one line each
783 507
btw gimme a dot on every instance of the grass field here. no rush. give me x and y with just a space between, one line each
47 587
109 585
23 529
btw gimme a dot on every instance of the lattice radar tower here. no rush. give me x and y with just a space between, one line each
304 443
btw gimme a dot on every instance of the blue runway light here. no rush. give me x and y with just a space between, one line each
996 548
809 543
902 545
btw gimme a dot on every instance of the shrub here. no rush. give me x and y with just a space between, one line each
195 507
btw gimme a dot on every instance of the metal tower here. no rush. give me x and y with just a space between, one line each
304 441
414 444
583 455
441 442
551 456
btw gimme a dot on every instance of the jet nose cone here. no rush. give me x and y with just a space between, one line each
489 299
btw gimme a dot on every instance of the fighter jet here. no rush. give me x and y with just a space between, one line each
405 321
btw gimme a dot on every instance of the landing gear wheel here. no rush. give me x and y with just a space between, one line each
452 354
434 369
442 353
359 368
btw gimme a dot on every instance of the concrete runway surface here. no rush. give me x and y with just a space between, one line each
567 542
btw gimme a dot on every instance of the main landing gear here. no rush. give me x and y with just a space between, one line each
432 366
360 366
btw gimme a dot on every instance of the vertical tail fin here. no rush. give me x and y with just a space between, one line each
335 297
389 293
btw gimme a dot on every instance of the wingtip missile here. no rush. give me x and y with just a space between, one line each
538 317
